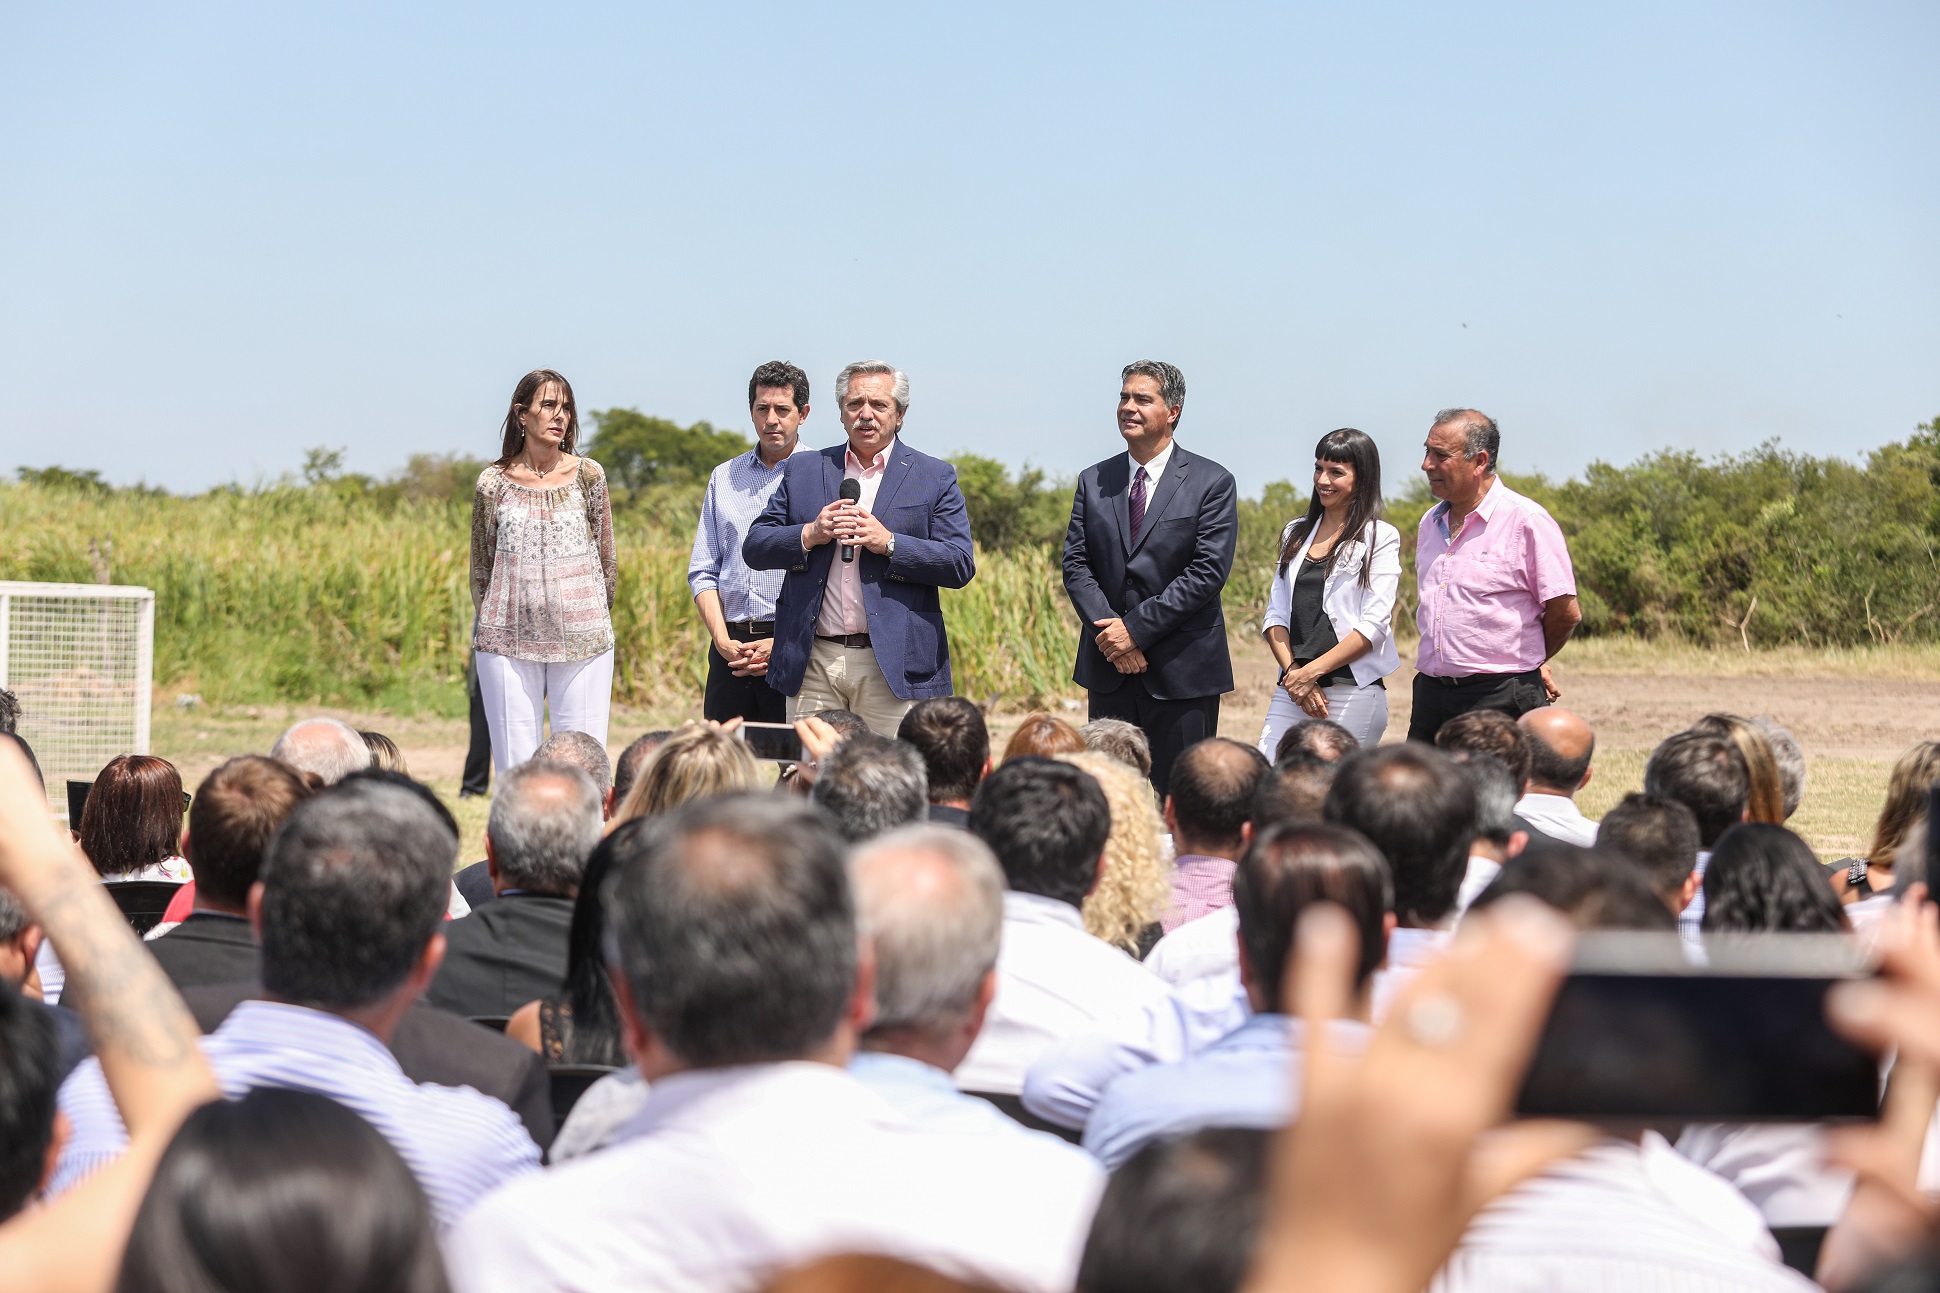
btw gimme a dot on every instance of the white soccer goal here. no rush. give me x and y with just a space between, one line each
80 658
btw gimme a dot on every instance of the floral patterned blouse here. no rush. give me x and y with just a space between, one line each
543 567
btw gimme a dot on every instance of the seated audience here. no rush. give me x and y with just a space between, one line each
930 901
870 784
626 768
1790 757
544 821
1120 740
236 810
1292 792
30 1051
1181 1216
283 1190
1498 834
1123 907
1857 879
1561 746
1247 1078
1041 735
20 940
348 915
324 747
1206 812
1317 740
1764 879
735 940
384 753
949 732
1593 889
579 1023
1706 773
1047 822
845 722
581 750
1765 797
697 761
131 825
1660 838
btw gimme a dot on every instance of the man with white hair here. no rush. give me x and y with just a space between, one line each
323 746
545 823
863 632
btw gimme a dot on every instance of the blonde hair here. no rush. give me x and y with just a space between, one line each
1766 800
1133 884
1906 801
697 762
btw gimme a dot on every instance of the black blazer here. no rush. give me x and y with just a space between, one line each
1166 586
474 885
503 955
432 1046
207 948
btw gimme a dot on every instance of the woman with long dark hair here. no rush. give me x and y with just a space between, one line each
1764 879
1328 615
284 1190
543 574
582 1024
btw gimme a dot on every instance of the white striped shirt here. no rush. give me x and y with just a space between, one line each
460 1144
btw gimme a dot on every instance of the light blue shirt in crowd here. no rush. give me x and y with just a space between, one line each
1246 1079
460 1144
927 1096
1690 921
737 493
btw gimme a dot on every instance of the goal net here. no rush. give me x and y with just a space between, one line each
80 659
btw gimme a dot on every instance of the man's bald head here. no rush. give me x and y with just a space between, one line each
324 746
932 899
1213 784
1561 745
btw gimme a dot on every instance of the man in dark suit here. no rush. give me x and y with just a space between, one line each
864 635
544 824
1146 555
236 810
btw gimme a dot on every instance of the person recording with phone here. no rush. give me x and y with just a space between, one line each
867 532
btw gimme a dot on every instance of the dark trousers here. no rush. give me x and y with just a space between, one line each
1438 700
1170 725
477 778
751 699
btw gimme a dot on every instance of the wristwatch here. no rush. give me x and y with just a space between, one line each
890 551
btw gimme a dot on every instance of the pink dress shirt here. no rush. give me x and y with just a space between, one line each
842 609
1201 885
1482 591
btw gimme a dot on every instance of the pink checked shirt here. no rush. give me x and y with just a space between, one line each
1482 592
1201 885
842 608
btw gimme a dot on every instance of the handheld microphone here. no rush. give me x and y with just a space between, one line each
852 491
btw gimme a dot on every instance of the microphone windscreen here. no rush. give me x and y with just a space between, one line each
851 489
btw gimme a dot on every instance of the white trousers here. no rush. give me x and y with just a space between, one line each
1361 710
516 693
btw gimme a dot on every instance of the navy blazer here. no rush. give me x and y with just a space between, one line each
918 500
1166 586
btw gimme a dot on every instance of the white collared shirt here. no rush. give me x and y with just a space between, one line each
1198 949
1558 817
1481 871
1153 469
727 1175
1053 981
1780 1167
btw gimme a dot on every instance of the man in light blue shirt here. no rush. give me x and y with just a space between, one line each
1246 1079
348 912
737 603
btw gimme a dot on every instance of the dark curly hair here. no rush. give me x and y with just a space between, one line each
1764 879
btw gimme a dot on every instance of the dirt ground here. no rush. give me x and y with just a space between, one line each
1853 718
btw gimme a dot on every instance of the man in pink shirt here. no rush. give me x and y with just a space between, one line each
1497 595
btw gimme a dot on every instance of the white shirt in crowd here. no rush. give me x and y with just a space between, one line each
1198 949
1053 981
1781 1168
1480 872
727 1175
1558 817
1619 1218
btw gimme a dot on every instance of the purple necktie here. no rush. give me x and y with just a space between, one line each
1138 503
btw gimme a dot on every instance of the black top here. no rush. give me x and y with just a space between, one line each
1310 631
208 947
503 955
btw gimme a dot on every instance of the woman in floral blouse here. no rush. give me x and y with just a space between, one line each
543 573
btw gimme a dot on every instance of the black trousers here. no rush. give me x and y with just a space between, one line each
751 699
1437 701
477 778
1170 725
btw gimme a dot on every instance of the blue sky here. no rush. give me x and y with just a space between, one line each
235 231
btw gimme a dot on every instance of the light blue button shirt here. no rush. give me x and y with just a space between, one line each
737 492
925 1095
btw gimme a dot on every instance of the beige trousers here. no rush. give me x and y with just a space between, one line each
840 677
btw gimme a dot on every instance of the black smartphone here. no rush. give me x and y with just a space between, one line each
773 741
77 799
1644 1032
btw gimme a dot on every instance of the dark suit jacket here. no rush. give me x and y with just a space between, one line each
1166 586
919 502
432 1046
206 948
503 955
944 815
474 885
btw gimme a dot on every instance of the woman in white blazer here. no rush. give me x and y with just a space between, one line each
1328 617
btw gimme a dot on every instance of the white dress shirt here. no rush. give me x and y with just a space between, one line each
1053 981
727 1175
1198 949
1558 817
1480 872
1780 1167
1153 469
1619 1218
458 1143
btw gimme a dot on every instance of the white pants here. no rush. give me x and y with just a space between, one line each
1361 710
516 692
